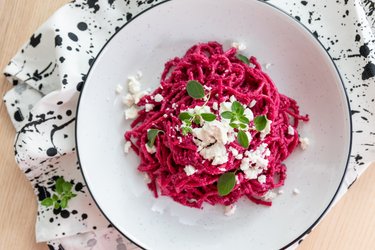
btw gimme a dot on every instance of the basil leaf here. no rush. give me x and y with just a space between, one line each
59 185
260 122
151 136
243 58
208 117
227 115
233 125
237 108
64 202
67 186
54 197
243 119
57 205
195 89
226 183
185 116
47 202
242 139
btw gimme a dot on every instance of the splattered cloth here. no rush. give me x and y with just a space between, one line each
49 71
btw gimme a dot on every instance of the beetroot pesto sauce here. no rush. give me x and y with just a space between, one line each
233 138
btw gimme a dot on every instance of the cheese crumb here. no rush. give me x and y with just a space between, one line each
230 210
290 130
268 65
304 142
190 170
131 113
151 150
139 74
127 147
159 98
165 115
280 191
149 107
134 86
215 106
296 191
238 45
266 130
262 179
269 196
146 178
174 105
252 103
128 100
119 89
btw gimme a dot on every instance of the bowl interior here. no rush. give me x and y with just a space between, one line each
300 68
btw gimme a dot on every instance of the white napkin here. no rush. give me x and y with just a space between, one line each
49 71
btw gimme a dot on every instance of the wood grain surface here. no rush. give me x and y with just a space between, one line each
349 225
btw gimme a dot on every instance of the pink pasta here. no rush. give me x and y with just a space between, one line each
224 75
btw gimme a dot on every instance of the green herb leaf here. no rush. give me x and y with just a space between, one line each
243 119
208 117
151 136
185 116
226 183
59 185
242 139
195 89
47 202
197 119
67 187
186 130
55 197
227 115
243 126
243 58
233 125
260 122
57 205
64 202
237 108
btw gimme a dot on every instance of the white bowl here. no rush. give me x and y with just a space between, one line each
301 69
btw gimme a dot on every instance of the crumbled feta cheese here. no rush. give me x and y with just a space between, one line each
192 200
239 157
222 169
230 210
149 107
237 180
252 173
151 150
217 153
270 195
146 178
262 179
254 163
131 113
159 98
268 65
249 114
234 151
127 146
119 89
179 139
139 74
225 106
215 106
304 142
134 86
207 87
266 130
252 103
232 98
238 45
290 130
165 115
296 191
190 170
137 96
128 100
174 105
280 192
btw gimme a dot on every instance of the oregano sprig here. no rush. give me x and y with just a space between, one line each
188 119
151 136
63 195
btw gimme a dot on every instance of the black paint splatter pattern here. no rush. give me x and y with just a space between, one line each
43 101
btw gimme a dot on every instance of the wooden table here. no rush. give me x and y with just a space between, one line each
350 224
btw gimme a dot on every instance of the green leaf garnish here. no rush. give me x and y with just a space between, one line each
226 183
47 202
151 136
195 89
208 117
243 119
227 115
62 196
242 126
242 139
197 119
234 125
186 130
236 107
243 58
185 116
260 122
